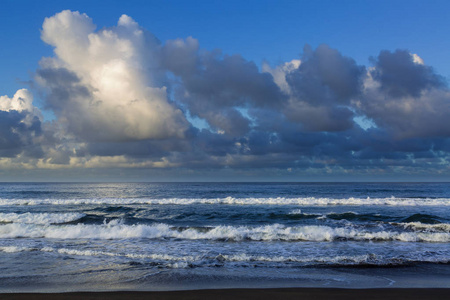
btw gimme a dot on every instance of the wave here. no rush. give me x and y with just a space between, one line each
367 259
306 201
424 219
276 232
40 218
299 212
418 226
76 252
212 260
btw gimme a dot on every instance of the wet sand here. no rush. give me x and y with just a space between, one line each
235 294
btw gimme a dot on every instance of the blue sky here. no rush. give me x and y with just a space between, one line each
369 44
275 31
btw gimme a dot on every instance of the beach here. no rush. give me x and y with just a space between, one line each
225 294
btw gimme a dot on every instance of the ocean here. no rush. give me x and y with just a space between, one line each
59 237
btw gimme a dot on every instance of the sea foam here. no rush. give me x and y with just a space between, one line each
275 232
40 218
212 260
305 201
418 226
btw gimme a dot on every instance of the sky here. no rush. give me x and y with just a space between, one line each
224 90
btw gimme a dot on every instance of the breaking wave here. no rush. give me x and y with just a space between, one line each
40 218
276 232
306 201
212 260
418 226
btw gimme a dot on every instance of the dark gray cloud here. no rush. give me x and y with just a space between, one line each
62 85
213 86
18 136
322 87
406 98
325 76
400 76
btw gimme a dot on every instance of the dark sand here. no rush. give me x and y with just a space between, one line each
236 294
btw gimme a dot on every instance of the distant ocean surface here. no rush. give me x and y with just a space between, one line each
168 236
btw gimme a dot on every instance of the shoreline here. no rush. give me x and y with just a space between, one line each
225 294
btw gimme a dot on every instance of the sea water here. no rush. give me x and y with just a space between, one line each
167 236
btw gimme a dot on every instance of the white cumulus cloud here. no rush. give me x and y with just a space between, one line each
22 100
104 85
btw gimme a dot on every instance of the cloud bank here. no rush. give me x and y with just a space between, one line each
123 99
